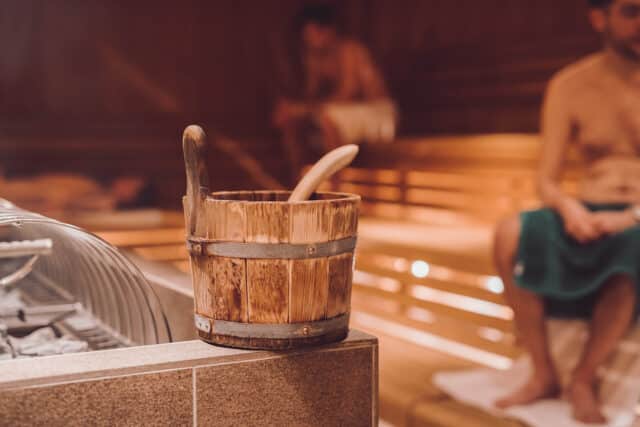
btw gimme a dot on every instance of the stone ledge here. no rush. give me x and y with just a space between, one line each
193 382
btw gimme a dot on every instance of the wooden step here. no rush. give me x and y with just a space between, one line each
478 263
370 265
163 253
502 324
157 236
448 413
471 335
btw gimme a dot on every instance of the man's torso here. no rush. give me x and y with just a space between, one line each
602 96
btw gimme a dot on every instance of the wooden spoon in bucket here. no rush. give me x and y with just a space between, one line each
329 164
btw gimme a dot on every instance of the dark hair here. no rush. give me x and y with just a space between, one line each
321 14
600 4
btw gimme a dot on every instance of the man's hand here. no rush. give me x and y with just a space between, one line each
579 222
612 222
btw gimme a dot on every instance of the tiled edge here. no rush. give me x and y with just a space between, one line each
159 384
156 398
375 386
194 400
326 387
100 364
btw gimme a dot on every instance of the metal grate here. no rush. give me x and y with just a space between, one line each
84 287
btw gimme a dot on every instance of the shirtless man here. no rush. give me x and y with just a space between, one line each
589 245
343 96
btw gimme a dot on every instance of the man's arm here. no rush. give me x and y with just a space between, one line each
359 75
371 80
557 132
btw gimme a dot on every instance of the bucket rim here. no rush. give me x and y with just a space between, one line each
334 197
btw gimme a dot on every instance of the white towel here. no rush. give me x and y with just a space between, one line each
619 392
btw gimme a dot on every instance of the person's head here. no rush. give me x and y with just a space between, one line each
619 22
317 25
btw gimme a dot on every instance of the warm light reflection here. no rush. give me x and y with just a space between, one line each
434 342
421 315
400 264
420 269
494 284
385 283
462 302
491 334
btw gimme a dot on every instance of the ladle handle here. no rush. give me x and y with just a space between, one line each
194 146
329 164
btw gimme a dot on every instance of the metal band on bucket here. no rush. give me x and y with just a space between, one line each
271 330
271 250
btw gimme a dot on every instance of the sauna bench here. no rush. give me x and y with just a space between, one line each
194 383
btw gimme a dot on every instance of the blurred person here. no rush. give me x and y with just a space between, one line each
584 249
65 192
342 97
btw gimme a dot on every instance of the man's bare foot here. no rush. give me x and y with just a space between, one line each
584 401
534 389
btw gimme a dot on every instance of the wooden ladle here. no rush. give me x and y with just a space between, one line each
194 147
329 164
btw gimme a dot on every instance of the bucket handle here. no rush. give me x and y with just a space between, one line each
194 146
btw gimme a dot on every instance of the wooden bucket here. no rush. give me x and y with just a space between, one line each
267 274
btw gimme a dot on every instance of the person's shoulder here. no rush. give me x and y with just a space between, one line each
576 74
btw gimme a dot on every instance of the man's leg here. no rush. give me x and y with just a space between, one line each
611 318
529 315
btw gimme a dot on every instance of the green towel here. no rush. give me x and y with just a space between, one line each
552 264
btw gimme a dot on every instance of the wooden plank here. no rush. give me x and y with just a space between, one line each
309 290
365 264
309 287
230 289
118 221
457 181
340 279
267 222
478 263
387 193
163 253
458 331
419 214
382 176
225 221
343 219
344 223
445 413
437 308
268 291
268 280
203 286
158 236
184 266
498 202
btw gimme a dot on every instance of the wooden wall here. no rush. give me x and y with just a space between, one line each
468 66
105 87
